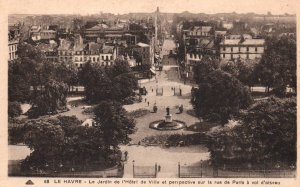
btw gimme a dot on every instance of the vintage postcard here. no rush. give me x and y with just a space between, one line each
142 93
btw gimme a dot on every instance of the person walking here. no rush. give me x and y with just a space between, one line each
148 103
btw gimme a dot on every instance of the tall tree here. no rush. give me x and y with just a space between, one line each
111 118
49 99
267 134
277 68
220 97
206 66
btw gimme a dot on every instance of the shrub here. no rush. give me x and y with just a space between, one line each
138 113
14 109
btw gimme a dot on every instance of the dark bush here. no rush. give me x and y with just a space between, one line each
14 109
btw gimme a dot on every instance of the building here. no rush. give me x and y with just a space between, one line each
191 60
65 50
13 41
13 47
79 52
50 50
231 49
143 52
47 34
200 31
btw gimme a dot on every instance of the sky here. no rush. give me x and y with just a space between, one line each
85 7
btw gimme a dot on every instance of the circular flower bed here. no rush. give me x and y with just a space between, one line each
162 125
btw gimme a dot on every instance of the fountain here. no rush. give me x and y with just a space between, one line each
168 123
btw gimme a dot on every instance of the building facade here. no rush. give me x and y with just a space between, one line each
231 49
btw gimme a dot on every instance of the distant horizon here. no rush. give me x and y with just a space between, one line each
40 14
91 7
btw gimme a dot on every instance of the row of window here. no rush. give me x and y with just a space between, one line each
77 53
103 64
231 56
231 49
12 56
94 59
12 48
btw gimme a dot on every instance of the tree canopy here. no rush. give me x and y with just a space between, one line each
113 82
62 143
50 99
220 97
202 69
267 133
277 67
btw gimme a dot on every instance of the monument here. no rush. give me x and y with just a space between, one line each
168 123
168 117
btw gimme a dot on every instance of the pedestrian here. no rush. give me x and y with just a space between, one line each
152 89
148 103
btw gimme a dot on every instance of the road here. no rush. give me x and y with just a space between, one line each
167 158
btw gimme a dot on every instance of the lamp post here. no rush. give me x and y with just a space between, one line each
133 168
201 166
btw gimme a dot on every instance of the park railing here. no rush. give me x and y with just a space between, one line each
205 171
257 173
144 171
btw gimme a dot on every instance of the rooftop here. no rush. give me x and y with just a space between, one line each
140 44
246 42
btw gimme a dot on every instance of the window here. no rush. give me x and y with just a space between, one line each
98 59
76 59
94 59
239 49
102 57
106 58
223 55
247 56
231 49
247 49
111 57
231 56
81 59
224 48
255 49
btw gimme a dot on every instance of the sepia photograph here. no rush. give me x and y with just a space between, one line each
151 89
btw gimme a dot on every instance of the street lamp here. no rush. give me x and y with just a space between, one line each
133 168
201 166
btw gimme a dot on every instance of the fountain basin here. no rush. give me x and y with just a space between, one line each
166 125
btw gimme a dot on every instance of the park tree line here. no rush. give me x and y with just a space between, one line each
45 85
62 143
267 130
115 82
